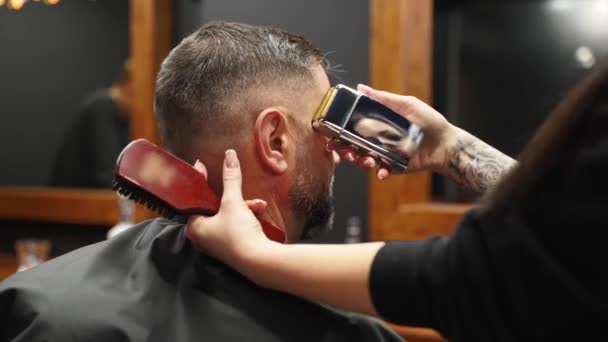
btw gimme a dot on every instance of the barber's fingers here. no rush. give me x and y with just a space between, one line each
363 161
200 167
257 206
346 155
341 151
367 162
333 144
336 157
349 154
197 229
383 173
232 178
399 103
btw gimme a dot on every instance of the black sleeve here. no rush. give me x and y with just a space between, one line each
489 281
402 281
445 283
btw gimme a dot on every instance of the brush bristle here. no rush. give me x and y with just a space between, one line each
143 197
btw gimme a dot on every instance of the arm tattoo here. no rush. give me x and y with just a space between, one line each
476 165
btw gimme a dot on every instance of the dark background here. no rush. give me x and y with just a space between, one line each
51 58
499 67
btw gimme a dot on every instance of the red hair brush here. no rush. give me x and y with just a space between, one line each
147 174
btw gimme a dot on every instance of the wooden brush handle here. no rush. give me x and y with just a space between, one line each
174 182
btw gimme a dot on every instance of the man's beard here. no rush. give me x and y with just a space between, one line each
311 199
314 203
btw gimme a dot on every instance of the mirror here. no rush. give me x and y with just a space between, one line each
64 90
29 208
500 67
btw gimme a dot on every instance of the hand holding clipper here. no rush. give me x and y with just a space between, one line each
369 127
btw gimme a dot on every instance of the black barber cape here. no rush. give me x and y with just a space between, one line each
150 284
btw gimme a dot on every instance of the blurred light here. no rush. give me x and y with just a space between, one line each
601 7
18 4
585 57
15 4
560 5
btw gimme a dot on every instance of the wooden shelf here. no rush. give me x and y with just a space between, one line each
8 266
59 205
411 334
419 221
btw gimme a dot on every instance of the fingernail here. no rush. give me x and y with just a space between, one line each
350 157
232 161
197 162
363 86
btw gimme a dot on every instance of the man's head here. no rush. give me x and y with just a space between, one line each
253 89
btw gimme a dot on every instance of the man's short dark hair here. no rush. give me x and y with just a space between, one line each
201 84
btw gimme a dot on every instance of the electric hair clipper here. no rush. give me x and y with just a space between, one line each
371 128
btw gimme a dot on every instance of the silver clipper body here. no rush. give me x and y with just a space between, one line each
368 126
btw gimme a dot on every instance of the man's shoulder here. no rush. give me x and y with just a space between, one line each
117 252
92 285
365 328
312 320
154 260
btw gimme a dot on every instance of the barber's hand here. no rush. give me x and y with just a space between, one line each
234 230
439 134
257 206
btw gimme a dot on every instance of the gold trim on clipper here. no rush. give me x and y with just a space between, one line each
325 104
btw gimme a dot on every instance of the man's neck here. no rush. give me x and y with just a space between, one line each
257 184
277 210
275 215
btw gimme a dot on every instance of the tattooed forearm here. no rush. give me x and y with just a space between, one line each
476 165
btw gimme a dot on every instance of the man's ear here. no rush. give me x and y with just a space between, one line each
272 140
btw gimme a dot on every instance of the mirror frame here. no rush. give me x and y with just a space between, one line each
151 35
401 57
